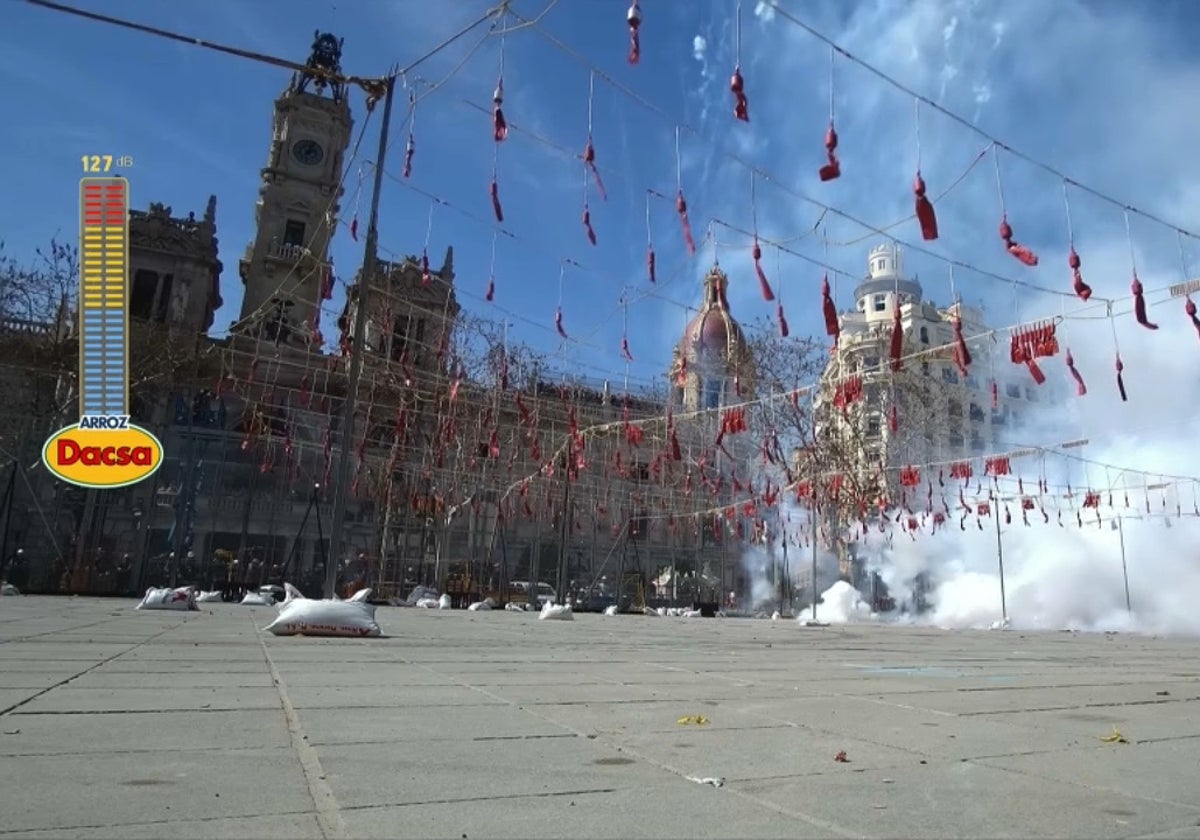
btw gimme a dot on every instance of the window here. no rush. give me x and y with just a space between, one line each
954 408
678 392
163 309
873 427
711 395
141 296
1000 418
1031 394
972 381
862 305
639 471
1013 391
956 440
949 375
880 303
924 368
293 233
399 338
871 362
418 341
977 442
924 335
976 413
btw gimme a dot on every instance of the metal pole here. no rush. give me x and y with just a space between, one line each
1000 563
1124 567
813 582
564 536
183 507
358 350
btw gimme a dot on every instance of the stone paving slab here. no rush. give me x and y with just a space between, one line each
124 723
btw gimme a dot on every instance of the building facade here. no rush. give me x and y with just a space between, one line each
928 410
250 422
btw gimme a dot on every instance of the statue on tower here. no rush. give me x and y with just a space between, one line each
324 63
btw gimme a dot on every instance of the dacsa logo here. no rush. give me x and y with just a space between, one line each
102 453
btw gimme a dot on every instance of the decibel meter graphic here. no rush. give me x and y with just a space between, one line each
104 297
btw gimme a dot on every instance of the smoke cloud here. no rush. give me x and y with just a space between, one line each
1066 568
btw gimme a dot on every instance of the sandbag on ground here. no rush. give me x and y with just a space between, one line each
300 616
181 598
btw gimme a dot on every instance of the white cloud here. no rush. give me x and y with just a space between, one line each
699 48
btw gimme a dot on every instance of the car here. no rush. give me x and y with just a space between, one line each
519 591
271 592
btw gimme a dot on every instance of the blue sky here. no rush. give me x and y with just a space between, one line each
1103 91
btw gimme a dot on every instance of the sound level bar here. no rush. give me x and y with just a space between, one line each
103 296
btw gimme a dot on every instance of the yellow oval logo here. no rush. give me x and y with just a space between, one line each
102 458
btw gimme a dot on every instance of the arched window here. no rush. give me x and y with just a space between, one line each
924 335
710 393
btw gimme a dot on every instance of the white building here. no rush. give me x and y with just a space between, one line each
927 411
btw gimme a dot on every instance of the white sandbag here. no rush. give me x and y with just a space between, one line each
428 603
556 612
182 598
254 599
611 609
209 597
511 607
444 603
300 616
8 589
485 604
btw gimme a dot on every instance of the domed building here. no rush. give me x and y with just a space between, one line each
712 365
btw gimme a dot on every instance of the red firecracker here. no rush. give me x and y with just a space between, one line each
634 18
1080 387
499 123
897 341
763 285
832 168
1013 247
829 310
737 86
681 209
1190 309
1139 304
925 215
1082 289
494 190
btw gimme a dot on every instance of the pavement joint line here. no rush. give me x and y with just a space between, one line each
90 668
1098 788
497 798
328 812
1115 705
59 631
59 830
597 738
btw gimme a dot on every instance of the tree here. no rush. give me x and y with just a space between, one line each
39 293
847 438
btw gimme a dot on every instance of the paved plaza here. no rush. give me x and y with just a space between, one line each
127 724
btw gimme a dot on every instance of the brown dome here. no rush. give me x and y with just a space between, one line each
714 329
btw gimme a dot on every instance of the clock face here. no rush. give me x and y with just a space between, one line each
308 152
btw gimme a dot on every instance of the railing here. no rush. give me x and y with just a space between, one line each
288 253
266 507
10 324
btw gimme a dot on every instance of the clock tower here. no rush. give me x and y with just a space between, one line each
284 268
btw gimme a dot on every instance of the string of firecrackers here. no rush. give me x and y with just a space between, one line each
1031 342
630 426
996 466
924 210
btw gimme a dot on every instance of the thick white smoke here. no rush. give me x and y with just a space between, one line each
1145 450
